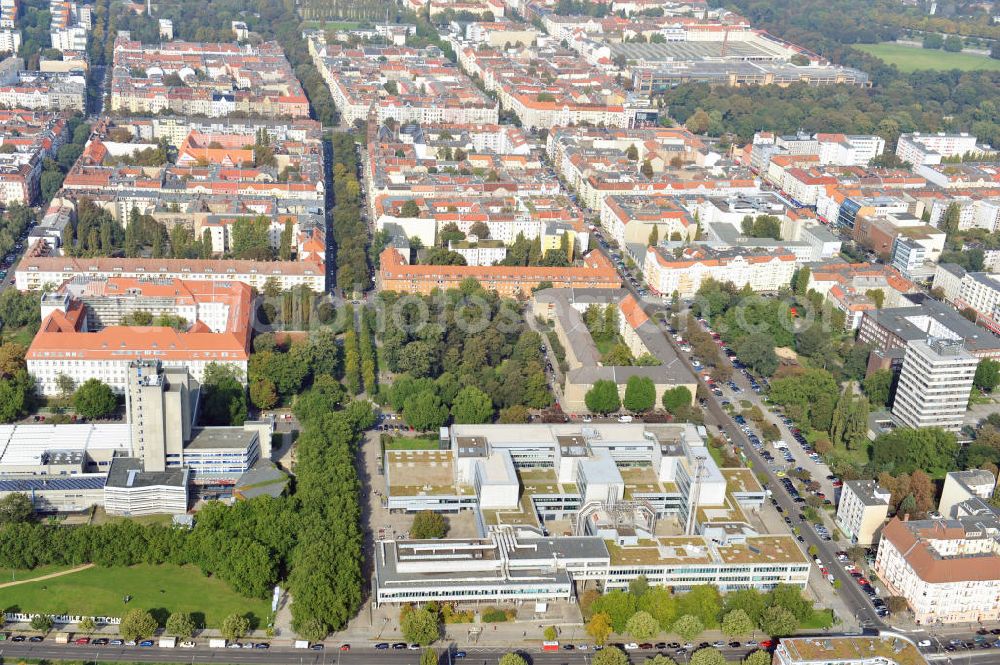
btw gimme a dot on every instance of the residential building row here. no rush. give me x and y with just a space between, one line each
41 90
685 272
223 173
376 83
70 23
829 149
396 273
37 271
212 80
27 138
549 86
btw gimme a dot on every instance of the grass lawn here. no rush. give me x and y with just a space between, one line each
18 574
161 589
912 58
821 618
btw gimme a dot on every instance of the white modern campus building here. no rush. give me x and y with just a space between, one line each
629 500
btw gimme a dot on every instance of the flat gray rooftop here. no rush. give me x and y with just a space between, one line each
220 437
680 51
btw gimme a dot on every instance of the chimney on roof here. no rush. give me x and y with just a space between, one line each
906 517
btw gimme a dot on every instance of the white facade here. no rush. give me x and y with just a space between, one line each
685 276
34 274
10 41
918 149
947 570
862 510
973 213
934 384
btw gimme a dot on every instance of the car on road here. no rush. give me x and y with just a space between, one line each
414 647
187 645
36 638
382 645
118 643
631 646
18 638
261 645
100 641
399 645
458 655
319 647
146 643
235 645
924 643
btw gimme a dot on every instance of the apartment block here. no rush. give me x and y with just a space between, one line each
948 570
37 272
632 219
396 274
40 90
684 274
962 486
551 87
67 345
862 510
564 308
402 83
213 80
919 149
934 384
892 328
849 285
28 138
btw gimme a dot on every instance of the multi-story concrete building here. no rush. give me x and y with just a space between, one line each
632 219
934 384
37 272
150 464
862 510
948 570
919 149
961 486
892 328
761 271
10 41
41 91
82 335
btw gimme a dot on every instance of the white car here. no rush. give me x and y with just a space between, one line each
187 645
624 419
924 643
631 646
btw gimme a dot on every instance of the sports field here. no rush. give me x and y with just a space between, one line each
912 58
160 589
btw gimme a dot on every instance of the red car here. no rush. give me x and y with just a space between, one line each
766 644
82 640
863 582
345 647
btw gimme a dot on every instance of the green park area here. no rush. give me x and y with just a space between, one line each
912 58
162 590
